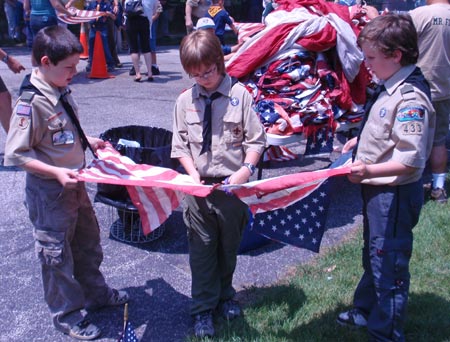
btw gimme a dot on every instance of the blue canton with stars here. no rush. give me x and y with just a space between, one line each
128 335
320 143
302 224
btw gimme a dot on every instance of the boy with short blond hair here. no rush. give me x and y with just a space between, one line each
391 152
45 139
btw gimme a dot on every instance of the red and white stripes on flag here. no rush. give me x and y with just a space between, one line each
82 16
248 30
157 191
280 192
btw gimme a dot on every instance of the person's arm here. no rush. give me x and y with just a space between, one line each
157 10
26 7
69 3
96 143
67 177
243 174
188 17
116 7
59 7
13 64
189 166
361 171
349 145
234 28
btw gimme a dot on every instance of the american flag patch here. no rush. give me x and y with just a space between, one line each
23 109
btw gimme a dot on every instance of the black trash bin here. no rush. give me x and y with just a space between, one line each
144 145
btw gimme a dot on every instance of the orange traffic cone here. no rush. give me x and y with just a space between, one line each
99 69
83 41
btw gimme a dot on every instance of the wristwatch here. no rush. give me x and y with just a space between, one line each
250 167
5 59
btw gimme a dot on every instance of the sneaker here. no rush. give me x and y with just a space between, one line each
439 195
118 65
229 309
88 68
155 70
203 324
352 318
110 68
132 71
84 330
118 298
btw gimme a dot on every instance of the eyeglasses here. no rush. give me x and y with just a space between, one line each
206 74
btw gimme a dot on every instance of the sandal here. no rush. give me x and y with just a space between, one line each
137 79
84 330
150 79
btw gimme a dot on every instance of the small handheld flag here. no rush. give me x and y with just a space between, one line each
128 334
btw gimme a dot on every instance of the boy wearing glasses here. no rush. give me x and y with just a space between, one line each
218 138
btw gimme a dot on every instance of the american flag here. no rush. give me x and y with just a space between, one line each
320 143
82 16
128 335
302 224
157 191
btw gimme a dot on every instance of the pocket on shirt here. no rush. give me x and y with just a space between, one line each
194 128
233 132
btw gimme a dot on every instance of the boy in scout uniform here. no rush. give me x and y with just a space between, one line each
46 141
391 153
218 138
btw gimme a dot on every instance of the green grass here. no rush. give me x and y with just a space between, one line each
304 306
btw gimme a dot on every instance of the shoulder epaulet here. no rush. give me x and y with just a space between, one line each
407 91
27 96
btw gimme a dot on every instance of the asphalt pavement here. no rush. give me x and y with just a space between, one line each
156 274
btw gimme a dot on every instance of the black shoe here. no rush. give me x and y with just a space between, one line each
352 318
155 70
132 71
203 324
229 309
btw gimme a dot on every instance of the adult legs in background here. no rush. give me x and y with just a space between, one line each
155 68
5 106
438 157
38 22
112 43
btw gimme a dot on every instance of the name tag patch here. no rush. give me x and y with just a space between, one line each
411 114
64 137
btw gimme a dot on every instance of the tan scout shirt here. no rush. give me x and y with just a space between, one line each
432 23
236 129
199 7
400 127
41 130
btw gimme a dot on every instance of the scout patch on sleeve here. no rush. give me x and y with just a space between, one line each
412 113
23 109
23 123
